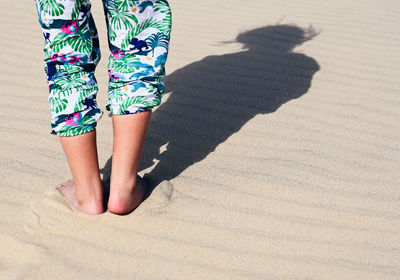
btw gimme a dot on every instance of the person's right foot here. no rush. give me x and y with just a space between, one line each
68 190
123 202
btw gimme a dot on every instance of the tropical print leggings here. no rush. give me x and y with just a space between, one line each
138 36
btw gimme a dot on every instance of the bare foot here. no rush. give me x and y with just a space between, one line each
68 190
124 202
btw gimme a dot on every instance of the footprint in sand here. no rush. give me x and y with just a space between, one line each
54 214
157 202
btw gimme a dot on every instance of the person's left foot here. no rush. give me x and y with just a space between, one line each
124 202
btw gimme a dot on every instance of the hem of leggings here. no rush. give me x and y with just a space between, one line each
114 110
75 131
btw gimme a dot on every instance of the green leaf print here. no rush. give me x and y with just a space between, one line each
162 7
76 9
112 35
124 66
121 5
74 71
119 66
124 5
148 23
121 19
67 85
88 120
117 95
135 100
52 7
80 42
85 93
58 104
59 42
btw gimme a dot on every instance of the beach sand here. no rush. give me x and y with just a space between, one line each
274 155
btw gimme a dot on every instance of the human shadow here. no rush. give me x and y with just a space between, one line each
213 98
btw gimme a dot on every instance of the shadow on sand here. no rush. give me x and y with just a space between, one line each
213 98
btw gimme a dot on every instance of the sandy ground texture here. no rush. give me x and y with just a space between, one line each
274 155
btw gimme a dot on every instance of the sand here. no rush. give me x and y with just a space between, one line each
274 155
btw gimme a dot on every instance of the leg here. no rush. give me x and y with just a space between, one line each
85 191
139 35
127 191
71 55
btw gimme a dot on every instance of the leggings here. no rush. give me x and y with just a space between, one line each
138 38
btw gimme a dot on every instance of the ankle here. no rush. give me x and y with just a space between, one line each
90 198
123 183
92 209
